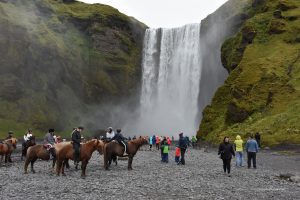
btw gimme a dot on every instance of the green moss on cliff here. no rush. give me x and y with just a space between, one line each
60 58
262 92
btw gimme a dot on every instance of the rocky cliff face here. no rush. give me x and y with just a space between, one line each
60 57
215 29
261 93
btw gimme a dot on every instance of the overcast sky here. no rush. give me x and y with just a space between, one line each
164 13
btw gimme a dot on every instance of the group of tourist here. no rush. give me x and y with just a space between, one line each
228 150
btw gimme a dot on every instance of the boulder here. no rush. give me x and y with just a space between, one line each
277 27
248 34
295 179
285 5
256 3
277 14
236 114
286 176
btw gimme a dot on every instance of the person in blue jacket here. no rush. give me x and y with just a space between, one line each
251 149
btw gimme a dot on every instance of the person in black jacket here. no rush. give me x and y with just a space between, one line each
76 139
120 139
182 144
226 151
257 138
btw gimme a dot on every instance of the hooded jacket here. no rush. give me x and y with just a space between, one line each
238 144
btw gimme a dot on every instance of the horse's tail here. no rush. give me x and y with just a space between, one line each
29 150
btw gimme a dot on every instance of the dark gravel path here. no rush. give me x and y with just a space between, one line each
201 178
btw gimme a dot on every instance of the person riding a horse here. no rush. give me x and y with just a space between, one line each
76 139
28 135
49 142
120 139
110 133
9 135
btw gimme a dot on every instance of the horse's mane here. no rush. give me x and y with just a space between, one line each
12 141
90 141
138 141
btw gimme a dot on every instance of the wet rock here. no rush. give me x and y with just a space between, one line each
286 176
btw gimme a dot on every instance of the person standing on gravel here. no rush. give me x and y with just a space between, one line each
251 149
257 138
182 144
226 151
239 151
76 139
150 143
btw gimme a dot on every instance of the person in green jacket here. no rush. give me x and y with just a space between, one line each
239 151
165 151
194 140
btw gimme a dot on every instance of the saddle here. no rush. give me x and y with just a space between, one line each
123 144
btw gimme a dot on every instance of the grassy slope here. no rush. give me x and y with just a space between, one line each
65 41
263 87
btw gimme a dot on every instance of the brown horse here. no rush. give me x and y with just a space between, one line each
86 151
35 152
113 149
40 152
7 148
26 145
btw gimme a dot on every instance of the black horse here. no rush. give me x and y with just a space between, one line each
26 145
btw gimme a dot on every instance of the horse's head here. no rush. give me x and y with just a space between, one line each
145 140
31 141
100 146
12 141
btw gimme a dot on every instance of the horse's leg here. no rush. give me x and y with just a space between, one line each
115 159
58 166
105 161
23 153
53 164
67 164
32 163
63 167
9 158
130 158
83 168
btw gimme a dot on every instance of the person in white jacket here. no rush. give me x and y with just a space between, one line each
110 133
28 135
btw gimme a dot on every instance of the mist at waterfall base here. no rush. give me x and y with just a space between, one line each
170 82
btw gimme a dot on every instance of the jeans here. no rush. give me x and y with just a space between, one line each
252 157
177 159
165 157
239 158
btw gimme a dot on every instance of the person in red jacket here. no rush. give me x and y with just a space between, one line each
157 142
177 155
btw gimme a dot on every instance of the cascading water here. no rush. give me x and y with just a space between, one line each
170 81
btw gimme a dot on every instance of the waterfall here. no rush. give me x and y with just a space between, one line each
170 81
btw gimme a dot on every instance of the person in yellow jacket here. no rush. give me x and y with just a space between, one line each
239 151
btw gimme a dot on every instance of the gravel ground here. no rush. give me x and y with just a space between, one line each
200 178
